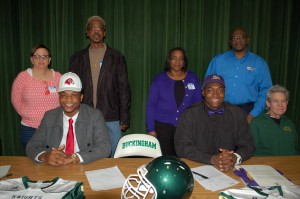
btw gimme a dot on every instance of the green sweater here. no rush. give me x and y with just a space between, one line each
272 139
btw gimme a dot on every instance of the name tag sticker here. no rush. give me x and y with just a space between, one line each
191 86
52 89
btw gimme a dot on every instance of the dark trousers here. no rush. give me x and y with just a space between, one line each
165 136
26 133
247 107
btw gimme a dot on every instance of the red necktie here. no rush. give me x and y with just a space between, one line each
70 139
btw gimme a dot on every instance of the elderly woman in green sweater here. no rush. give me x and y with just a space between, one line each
275 134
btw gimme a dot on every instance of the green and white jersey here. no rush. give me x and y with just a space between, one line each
24 188
282 192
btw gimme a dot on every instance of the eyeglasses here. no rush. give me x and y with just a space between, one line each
43 57
238 37
96 28
174 59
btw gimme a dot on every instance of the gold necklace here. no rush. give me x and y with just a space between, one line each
177 77
98 61
94 51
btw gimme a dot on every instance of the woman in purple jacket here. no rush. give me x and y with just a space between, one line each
171 92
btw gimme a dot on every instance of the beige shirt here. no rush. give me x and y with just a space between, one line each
96 59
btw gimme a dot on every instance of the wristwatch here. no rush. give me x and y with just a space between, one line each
74 157
238 159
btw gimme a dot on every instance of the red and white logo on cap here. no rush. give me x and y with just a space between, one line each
69 81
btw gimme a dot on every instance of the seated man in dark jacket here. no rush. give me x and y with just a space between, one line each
71 133
213 131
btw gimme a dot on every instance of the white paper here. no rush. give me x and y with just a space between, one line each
265 175
104 179
4 170
217 179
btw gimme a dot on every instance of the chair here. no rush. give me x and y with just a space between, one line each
138 145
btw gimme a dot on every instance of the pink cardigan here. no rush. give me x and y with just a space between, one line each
32 98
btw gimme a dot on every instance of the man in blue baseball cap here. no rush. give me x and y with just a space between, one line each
213 131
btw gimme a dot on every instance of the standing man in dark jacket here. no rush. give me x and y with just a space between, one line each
104 77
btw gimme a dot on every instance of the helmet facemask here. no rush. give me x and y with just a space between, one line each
137 186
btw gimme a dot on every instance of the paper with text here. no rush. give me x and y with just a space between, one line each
104 179
265 175
217 180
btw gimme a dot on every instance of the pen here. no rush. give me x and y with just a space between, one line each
203 176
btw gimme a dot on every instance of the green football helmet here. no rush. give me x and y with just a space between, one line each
163 177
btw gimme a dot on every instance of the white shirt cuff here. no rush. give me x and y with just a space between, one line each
37 157
80 158
238 159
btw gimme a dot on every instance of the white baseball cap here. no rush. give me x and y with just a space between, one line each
69 82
